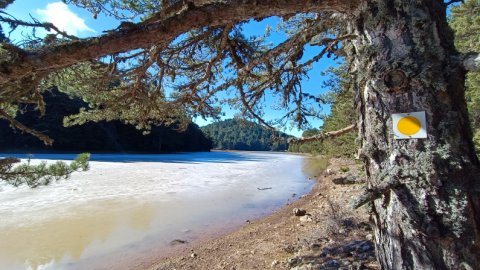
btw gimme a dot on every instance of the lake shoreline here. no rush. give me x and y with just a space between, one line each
126 208
281 240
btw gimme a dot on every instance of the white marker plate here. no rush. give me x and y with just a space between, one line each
409 125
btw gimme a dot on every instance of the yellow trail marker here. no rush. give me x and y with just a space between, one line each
409 125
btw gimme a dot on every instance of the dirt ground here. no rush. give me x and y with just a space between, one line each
328 235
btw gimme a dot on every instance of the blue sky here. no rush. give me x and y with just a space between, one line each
81 23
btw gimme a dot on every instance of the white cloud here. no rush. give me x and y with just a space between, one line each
62 17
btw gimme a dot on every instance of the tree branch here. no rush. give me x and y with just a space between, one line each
162 32
322 135
250 109
374 193
46 25
46 140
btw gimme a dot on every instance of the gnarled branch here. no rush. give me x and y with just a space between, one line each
161 32
46 140
322 135
374 193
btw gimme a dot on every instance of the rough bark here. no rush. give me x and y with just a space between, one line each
156 32
404 61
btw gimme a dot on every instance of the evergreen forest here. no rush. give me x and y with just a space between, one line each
233 134
101 136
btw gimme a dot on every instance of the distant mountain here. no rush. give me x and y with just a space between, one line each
94 137
235 134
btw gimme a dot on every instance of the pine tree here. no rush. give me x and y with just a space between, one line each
423 193
465 21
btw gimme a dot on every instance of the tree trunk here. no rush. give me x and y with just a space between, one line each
403 60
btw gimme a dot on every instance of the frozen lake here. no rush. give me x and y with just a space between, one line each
128 204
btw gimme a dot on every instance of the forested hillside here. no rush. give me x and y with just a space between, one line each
235 134
93 136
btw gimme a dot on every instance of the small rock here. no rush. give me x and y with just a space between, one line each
365 226
275 263
341 231
347 180
305 219
299 212
177 242
348 223
294 194
369 237
289 248
293 261
193 255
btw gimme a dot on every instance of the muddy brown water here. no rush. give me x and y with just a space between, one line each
128 204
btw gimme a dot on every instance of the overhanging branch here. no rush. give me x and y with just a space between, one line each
322 135
161 32
44 138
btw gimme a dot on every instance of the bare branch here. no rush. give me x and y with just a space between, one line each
374 193
250 109
46 140
321 136
45 25
304 36
327 41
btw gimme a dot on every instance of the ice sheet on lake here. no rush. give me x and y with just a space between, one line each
133 197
